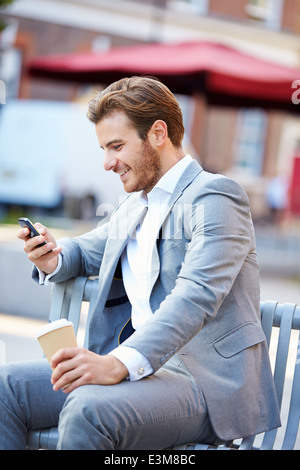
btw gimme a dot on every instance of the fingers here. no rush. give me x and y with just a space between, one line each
47 252
39 244
23 233
36 247
74 367
42 230
62 355
65 371
42 249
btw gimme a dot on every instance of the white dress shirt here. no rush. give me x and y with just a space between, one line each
136 264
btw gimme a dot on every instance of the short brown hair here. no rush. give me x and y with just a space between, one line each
144 100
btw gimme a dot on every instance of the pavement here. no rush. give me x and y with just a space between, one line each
280 280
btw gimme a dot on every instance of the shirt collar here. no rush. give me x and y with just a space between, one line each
167 183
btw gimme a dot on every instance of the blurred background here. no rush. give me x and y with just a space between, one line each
235 68
241 113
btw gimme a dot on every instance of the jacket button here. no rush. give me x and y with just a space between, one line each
141 370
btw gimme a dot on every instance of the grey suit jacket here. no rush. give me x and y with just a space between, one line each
205 297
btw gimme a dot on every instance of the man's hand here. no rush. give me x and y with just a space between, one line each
78 366
45 261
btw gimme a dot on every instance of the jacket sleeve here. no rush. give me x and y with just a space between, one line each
81 256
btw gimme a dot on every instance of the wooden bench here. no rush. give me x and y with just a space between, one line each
280 322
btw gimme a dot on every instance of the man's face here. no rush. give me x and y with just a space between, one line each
134 159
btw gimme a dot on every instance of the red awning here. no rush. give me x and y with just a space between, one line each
225 75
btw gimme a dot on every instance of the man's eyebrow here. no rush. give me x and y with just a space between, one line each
114 141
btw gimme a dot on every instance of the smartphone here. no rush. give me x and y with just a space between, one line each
24 222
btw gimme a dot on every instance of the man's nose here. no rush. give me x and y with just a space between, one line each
109 162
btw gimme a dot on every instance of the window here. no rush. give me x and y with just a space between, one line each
249 142
190 6
267 11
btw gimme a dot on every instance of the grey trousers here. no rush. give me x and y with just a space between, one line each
157 412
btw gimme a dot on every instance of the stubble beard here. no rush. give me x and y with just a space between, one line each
147 168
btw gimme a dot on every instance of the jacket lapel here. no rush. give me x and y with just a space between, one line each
122 226
188 176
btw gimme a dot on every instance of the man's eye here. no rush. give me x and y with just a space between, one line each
117 147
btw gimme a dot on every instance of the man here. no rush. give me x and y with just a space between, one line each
176 350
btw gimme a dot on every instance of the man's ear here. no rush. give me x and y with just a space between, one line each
158 133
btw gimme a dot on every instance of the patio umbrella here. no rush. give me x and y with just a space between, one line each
225 76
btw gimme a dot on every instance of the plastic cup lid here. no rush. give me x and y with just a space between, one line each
53 326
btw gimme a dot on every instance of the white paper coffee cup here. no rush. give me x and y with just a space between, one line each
56 335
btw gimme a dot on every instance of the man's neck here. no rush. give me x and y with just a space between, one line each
170 158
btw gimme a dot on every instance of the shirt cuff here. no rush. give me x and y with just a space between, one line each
137 365
44 279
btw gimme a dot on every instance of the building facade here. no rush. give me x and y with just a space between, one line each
252 145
